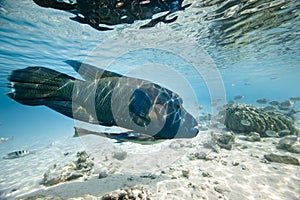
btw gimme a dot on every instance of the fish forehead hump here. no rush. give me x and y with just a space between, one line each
160 94
108 82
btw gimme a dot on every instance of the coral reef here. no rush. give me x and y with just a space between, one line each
247 118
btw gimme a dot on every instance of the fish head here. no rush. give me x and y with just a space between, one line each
161 113
178 122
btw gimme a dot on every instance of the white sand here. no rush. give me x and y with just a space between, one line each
165 170
21 175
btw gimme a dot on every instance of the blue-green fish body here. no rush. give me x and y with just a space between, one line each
105 98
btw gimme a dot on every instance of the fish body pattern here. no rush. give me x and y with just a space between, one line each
112 12
16 154
105 98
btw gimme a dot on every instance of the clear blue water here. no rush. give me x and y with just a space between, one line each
260 63
256 53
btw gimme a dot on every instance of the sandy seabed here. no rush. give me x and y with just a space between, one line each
174 169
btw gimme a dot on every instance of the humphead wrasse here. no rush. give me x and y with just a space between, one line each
106 98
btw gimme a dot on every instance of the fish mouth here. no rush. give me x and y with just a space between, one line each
193 132
187 132
195 129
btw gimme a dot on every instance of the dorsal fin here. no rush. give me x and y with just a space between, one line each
90 72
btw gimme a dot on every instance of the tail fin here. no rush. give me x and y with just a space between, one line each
39 85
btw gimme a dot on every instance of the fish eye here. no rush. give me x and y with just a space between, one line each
177 106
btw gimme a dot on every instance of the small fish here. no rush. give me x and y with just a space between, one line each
16 154
4 139
262 101
238 97
230 102
270 109
271 133
144 2
216 100
295 98
286 105
274 103
283 133
245 122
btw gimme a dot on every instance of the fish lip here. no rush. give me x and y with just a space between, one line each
188 132
197 129
194 130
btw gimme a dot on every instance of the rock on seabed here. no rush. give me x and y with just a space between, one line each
289 143
134 193
282 159
74 170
